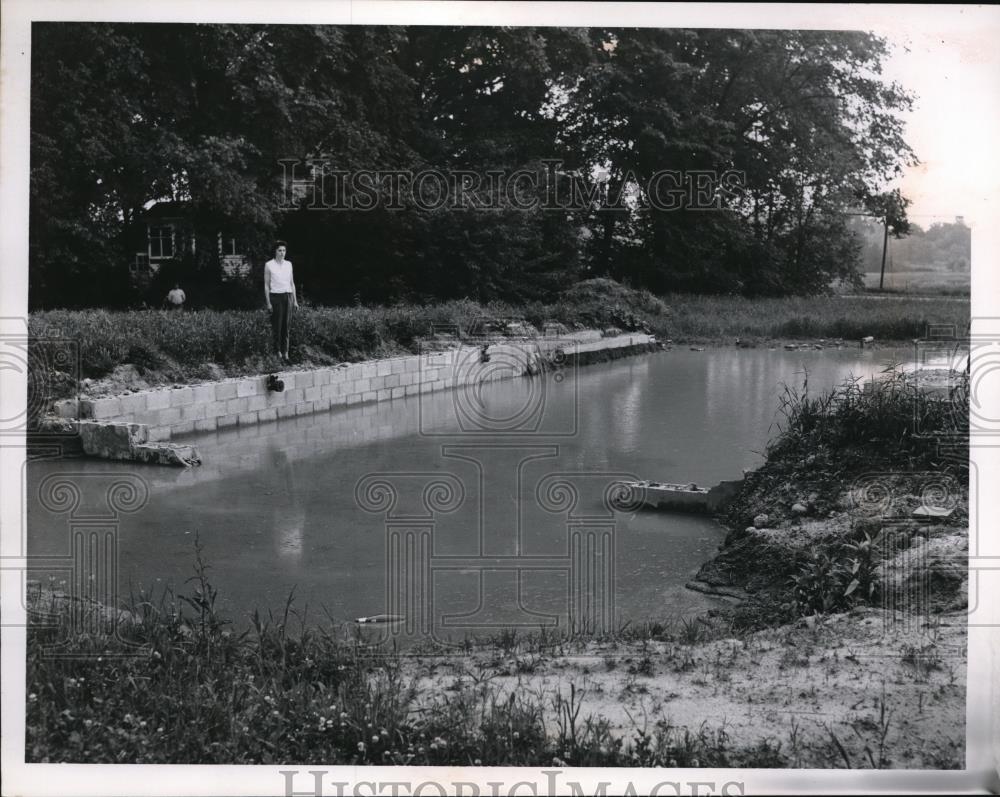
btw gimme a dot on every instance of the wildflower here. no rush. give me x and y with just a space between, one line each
160 729
517 735
556 761
32 697
87 723
478 762
672 762
361 747
276 713
384 732
434 746
343 715
421 750
694 762
142 724
374 738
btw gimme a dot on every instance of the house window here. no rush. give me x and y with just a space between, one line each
161 241
140 265
230 246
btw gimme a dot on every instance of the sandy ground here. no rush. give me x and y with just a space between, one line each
889 687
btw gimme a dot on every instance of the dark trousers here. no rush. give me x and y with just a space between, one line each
281 305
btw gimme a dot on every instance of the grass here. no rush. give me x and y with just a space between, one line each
169 681
710 319
207 344
851 452
929 283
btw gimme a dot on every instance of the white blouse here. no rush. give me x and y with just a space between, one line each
279 276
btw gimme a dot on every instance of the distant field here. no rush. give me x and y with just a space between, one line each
892 317
921 281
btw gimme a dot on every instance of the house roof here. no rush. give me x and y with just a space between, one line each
166 210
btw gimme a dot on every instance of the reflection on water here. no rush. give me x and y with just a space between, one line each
479 528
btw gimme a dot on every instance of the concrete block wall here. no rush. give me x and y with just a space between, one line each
246 401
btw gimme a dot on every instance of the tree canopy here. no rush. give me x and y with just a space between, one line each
124 115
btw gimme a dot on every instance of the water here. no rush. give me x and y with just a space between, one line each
498 516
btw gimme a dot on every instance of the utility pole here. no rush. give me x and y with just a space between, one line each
885 246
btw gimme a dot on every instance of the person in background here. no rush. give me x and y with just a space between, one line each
279 295
176 298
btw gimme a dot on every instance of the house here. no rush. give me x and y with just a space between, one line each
168 232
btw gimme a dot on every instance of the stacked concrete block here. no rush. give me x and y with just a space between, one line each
246 401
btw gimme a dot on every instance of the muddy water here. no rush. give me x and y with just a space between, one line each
463 511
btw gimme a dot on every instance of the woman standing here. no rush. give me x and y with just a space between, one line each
279 294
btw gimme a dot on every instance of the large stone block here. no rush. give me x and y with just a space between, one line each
133 404
305 379
158 399
248 418
157 434
105 408
249 387
204 394
67 408
193 412
215 409
167 454
206 425
313 393
181 397
227 421
256 403
225 391
270 414
182 427
168 417
383 368
236 405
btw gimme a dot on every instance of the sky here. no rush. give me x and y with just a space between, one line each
956 76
